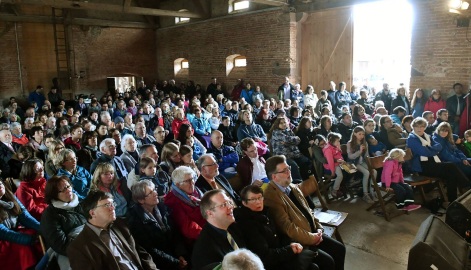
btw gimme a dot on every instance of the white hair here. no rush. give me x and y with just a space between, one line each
242 259
178 175
104 114
123 141
103 143
29 119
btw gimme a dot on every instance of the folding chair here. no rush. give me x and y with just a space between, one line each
310 187
375 163
324 181
419 181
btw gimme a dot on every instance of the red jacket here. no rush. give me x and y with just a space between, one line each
69 143
188 219
176 126
434 106
31 195
21 141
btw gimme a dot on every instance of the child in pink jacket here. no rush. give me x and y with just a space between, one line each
333 154
393 179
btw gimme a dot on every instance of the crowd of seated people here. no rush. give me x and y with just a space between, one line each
134 168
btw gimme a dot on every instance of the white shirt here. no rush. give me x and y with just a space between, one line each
258 172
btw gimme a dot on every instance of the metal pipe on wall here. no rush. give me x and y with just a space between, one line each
19 61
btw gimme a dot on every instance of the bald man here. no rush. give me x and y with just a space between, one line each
225 156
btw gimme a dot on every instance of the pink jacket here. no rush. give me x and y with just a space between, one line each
331 153
434 106
392 173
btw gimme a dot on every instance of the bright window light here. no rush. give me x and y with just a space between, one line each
181 19
240 62
241 5
185 64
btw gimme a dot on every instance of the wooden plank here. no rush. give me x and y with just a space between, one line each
104 7
276 3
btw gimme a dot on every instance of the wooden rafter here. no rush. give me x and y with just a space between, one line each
276 3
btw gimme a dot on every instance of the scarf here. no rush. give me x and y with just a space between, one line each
6 205
192 200
66 205
426 142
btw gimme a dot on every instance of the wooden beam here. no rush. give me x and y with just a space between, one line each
104 7
74 21
127 3
201 7
276 3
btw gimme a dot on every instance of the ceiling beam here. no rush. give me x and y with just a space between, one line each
127 3
276 3
103 7
74 21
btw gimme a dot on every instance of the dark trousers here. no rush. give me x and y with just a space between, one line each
449 172
331 254
306 168
404 194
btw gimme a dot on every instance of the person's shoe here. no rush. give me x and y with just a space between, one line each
336 194
411 207
367 199
373 196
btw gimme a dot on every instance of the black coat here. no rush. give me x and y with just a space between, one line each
162 243
305 135
57 223
204 186
262 238
5 155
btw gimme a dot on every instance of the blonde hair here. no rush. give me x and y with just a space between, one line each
52 150
467 133
101 169
395 153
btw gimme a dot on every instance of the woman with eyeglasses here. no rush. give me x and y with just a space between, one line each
262 237
183 200
81 179
19 245
32 186
55 147
150 226
105 179
89 150
62 220
170 157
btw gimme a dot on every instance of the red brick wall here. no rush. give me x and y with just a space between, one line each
439 48
264 38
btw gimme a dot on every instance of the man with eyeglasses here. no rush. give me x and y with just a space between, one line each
210 178
220 235
105 242
293 217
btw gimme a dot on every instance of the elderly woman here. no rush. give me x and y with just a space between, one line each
62 220
18 242
151 228
32 186
183 201
54 149
130 155
262 237
89 150
284 142
425 159
105 179
170 157
79 176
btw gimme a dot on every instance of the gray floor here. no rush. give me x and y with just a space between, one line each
374 243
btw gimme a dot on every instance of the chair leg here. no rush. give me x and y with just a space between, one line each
441 190
321 200
422 194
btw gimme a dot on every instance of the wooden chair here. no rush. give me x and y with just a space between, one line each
324 181
310 187
236 184
343 147
375 163
419 181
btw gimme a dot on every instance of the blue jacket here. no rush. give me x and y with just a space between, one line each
37 97
449 153
201 126
251 131
414 143
25 219
299 96
81 181
247 95
227 154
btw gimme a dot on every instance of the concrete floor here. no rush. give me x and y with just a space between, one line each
372 242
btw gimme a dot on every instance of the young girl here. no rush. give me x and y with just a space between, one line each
393 179
148 170
357 153
186 152
333 154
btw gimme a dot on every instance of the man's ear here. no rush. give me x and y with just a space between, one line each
91 212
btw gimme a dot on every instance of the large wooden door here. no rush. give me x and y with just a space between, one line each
327 48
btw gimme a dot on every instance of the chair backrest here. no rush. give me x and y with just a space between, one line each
377 162
343 147
408 155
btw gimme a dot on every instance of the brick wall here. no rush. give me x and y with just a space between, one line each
264 38
440 53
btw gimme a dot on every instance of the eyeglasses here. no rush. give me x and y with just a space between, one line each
209 165
285 170
68 187
152 192
107 205
259 199
111 146
189 181
227 204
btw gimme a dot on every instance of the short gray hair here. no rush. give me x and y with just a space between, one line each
242 259
14 125
62 156
103 114
29 119
103 143
123 141
139 190
178 175
202 159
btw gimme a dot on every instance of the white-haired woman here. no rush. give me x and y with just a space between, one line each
183 201
130 154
